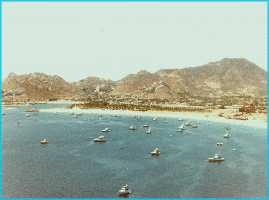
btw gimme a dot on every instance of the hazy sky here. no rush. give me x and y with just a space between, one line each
113 39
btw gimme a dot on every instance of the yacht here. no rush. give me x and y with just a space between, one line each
217 158
227 135
124 190
146 125
27 115
156 152
181 127
133 128
180 130
44 141
149 131
106 130
188 124
100 139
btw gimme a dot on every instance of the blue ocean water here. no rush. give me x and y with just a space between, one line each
73 166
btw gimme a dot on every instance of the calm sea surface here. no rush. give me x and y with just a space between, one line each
73 166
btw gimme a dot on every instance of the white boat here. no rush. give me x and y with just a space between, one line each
188 124
100 115
166 121
154 118
72 113
146 125
180 119
100 139
198 122
133 128
76 116
180 130
139 117
3 113
149 131
227 135
44 141
106 130
156 152
217 158
182 127
55 113
27 115
219 143
124 190
134 116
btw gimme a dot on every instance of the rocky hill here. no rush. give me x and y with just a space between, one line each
227 76
37 86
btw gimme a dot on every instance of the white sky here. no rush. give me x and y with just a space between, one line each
113 39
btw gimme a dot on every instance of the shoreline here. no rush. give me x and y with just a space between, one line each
189 115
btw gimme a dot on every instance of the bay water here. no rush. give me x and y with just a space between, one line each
72 165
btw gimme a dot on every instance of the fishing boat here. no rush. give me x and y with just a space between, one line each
182 127
106 130
146 125
44 141
217 158
156 152
227 135
124 190
180 130
149 131
188 124
133 128
100 139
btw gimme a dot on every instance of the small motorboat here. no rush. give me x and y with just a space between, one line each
133 128
3 113
106 130
146 125
156 152
198 122
181 127
100 115
154 119
227 127
100 139
35 113
44 141
27 115
188 124
149 131
219 143
134 116
124 190
180 119
138 117
227 135
166 121
55 113
180 130
194 126
80 114
217 158
72 113
76 116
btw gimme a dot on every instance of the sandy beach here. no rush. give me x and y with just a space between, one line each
210 117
